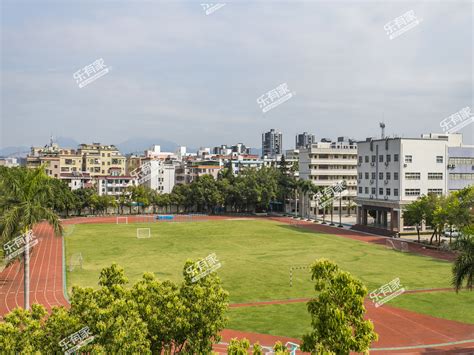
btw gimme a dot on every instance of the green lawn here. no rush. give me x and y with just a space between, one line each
255 256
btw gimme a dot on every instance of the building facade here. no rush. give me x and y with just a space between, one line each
325 164
272 144
102 160
392 173
303 140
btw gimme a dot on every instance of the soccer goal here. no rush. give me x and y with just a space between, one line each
75 261
397 245
143 233
122 220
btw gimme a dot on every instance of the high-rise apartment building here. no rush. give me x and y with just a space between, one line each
272 144
304 139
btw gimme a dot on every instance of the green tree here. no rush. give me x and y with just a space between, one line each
27 193
205 303
337 314
463 267
415 213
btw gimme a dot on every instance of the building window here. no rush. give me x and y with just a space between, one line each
373 176
374 158
395 192
435 191
395 176
395 157
387 192
435 176
388 158
412 192
373 190
461 176
380 191
412 176
439 158
366 190
360 189
360 159
367 176
366 158
360 176
408 159
387 174
380 158
380 176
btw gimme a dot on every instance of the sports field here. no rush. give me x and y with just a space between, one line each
256 256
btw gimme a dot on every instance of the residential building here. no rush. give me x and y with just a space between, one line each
393 172
102 160
327 163
56 160
114 185
304 139
9 162
77 180
159 175
272 144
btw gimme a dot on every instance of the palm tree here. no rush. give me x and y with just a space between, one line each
463 267
22 205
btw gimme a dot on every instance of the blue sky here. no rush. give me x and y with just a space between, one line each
184 76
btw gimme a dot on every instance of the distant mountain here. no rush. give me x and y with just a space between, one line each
66 142
14 152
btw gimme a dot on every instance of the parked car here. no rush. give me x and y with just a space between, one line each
451 233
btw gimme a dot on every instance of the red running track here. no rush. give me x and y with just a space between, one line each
396 327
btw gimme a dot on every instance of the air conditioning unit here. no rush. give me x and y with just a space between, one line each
386 163
359 164
385 182
358 181
371 197
385 197
372 164
405 165
371 182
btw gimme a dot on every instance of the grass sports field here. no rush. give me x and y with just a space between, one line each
256 256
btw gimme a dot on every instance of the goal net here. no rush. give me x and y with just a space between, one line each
397 245
143 233
75 261
122 220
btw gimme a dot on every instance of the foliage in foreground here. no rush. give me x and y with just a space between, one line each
151 316
337 314
463 266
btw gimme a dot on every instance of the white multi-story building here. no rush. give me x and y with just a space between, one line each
114 185
393 172
158 175
327 163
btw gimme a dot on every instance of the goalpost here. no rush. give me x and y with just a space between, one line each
397 245
122 219
75 261
143 233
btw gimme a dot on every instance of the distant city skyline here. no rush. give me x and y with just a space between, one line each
178 74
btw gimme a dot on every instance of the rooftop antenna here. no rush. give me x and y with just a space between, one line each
382 126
